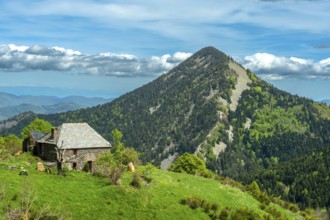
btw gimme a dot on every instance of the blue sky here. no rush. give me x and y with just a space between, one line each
107 48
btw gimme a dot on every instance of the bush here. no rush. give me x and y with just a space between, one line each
194 202
2 192
102 170
137 180
215 207
284 204
254 189
116 173
147 172
224 214
37 125
114 163
272 211
130 155
245 214
9 145
191 164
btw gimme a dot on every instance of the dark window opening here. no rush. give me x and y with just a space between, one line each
74 166
75 152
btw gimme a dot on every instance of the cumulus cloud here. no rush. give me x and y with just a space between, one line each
15 58
272 67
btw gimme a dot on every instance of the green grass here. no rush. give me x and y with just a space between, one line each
81 195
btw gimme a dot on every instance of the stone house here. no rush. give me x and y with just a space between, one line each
29 143
78 143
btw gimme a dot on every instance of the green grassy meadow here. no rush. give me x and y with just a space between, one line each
80 195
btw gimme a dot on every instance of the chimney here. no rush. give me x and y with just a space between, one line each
53 133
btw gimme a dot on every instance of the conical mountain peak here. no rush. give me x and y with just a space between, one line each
205 56
210 51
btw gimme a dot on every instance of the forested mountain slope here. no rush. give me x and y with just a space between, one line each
212 106
304 181
174 113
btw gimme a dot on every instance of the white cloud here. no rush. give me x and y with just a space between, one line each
67 51
23 58
272 67
18 48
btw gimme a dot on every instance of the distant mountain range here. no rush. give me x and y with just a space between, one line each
11 105
326 101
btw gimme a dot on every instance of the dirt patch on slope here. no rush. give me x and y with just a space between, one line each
218 148
242 84
165 164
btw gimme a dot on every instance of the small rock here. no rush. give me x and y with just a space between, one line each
24 172
130 167
12 167
18 153
40 167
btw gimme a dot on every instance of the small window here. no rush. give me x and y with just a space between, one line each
75 152
74 166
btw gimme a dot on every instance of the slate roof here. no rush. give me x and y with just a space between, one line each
37 135
76 136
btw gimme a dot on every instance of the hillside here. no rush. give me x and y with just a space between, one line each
300 176
174 113
210 105
80 195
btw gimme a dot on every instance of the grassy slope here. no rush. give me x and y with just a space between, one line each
82 196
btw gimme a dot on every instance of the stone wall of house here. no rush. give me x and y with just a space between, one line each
77 158
48 152
29 143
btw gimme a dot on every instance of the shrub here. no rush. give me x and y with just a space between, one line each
272 211
254 189
137 180
215 207
116 173
224 214
262 206
206 206
102 170
130 155
194 202
245 214
284 204
114 163
191 164
294 208
2 192
9 145
37 125
147 172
